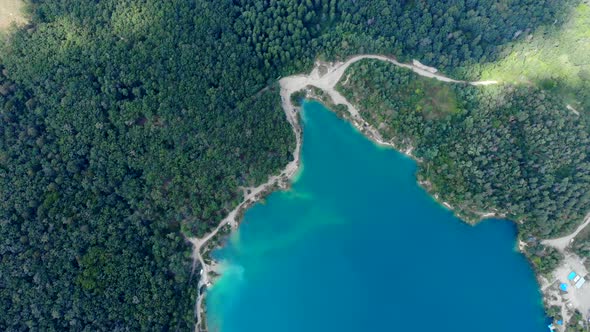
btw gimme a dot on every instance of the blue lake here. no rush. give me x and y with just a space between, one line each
357 245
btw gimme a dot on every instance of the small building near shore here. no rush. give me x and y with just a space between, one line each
580 283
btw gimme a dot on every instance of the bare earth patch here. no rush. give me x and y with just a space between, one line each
11 11
574 298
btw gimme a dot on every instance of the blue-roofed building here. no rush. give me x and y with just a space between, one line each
563 287
571 276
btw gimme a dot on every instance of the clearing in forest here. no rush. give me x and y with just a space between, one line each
11 11
555 59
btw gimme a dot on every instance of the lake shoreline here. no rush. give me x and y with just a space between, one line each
370 132
552 296
234 298
320 85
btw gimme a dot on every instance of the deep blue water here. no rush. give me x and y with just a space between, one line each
357 245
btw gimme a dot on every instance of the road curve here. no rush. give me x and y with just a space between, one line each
562 242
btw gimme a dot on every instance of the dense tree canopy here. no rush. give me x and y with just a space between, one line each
126 125
120 128
446 34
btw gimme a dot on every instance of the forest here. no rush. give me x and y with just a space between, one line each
122 134
128 125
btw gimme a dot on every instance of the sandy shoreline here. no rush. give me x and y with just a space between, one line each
324 76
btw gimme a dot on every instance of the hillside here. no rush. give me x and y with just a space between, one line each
553 58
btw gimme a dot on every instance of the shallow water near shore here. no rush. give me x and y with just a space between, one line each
357 245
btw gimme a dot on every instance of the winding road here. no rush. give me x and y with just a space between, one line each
335 71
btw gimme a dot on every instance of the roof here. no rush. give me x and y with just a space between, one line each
571 276
563 287
580 283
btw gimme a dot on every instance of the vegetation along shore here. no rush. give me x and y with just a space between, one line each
324 82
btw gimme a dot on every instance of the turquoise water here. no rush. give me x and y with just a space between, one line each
357 245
